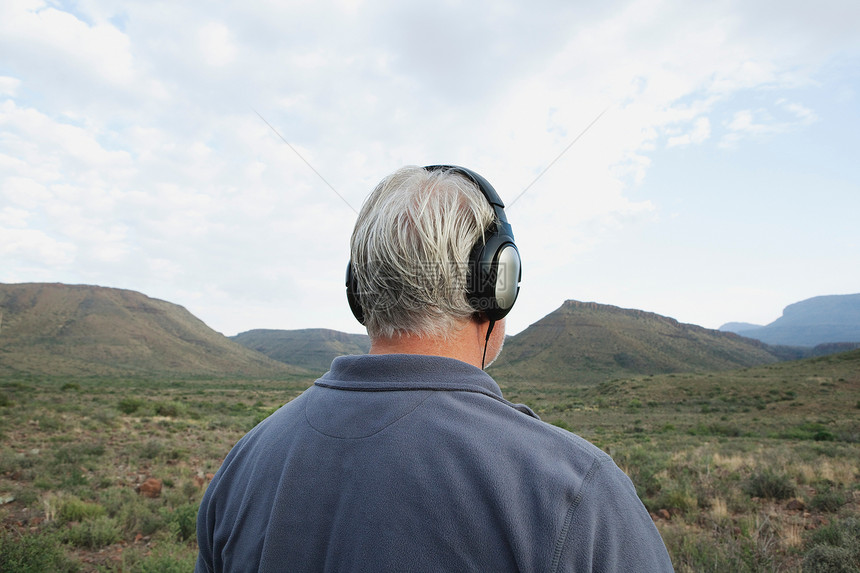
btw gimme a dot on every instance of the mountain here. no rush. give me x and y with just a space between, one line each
738 327
312 348
56 329
585 343
812 322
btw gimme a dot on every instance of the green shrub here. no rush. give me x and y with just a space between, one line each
94 533
78 453
74 509
260 416
725 430
170 409
166 558
130 405
10 461
770 485
189 489
701 553
151 449
809 431
830 559
136 514
49 424
828 499
24 553
842 533
26 496
642 466
182 520
678 499
114 499
73 479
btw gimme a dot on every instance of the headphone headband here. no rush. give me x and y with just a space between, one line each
482 184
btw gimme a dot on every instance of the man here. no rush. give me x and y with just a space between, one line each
409 458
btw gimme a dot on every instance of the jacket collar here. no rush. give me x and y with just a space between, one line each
403 372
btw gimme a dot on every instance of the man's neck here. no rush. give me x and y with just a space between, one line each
465 344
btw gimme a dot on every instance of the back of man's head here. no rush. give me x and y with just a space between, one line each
410 251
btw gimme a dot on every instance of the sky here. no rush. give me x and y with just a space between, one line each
695 160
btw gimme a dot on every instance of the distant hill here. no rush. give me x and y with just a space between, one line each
812 322
585 343
312 348
738 327
56 329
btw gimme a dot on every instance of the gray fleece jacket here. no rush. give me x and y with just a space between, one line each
417 463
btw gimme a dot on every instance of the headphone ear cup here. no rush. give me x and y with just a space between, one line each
494 276
508 275
352 294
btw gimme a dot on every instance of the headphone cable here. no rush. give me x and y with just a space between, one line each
487 341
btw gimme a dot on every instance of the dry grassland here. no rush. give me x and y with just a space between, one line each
753 470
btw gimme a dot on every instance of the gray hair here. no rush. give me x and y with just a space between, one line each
410 250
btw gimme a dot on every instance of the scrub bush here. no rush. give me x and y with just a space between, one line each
830 559
130 405
183 520
93 534
829 499
770 485
74 509
23 553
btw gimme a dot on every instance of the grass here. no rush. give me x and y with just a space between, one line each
752 470
741 470
74 452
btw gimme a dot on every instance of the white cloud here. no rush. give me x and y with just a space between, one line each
128 133
804 115
699 132
54 39
216 44
37 140
783 117
32 247
9 85
12 217
24 192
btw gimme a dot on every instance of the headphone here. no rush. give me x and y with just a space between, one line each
495 268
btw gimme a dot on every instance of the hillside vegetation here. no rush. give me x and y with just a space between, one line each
586 343
312 348
55 329
105 473
750 470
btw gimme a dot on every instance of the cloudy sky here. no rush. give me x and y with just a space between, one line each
720 182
